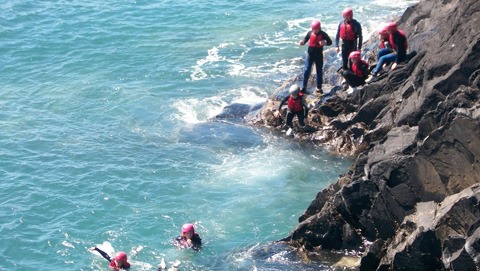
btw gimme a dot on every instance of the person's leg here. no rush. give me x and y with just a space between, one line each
384 59
346 50
389 58
301 118
289 119
348 75
382 52
308 69
319 68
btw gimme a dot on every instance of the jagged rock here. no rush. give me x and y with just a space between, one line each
413 189
435 236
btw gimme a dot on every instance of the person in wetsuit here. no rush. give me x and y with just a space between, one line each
189 238
316 39
296 106
118 262
357 70
350 32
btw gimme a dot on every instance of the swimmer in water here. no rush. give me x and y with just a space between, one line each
118 262
189 238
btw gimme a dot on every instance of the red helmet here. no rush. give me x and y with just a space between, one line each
355 55
392 26
120 256
315 24
383 31
347 12
187 228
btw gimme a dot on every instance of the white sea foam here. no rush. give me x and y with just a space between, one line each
213 56
198 110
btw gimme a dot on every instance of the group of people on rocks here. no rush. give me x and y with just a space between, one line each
356 71
187 239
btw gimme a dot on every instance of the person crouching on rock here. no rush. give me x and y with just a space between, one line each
357 70
296 106
189 238
398 42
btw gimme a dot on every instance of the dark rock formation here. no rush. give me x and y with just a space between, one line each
411 200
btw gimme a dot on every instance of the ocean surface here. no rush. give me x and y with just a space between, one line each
107 130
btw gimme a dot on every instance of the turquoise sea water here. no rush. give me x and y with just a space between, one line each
106 130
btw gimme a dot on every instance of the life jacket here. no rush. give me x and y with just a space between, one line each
356 68
383 39
347 31
295 105
394 46
315 38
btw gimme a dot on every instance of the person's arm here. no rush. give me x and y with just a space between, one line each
196 242
399 41
307 37
103 253
277 113
359 35
283 102
364 69
337 37
327 39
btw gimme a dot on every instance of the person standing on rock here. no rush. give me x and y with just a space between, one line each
316 39
350 32
296 106
398 42
357 71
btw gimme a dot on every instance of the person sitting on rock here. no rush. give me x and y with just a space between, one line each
296 106
384 39
398 41
357 70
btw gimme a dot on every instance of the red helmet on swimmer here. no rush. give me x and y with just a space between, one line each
120 256
315 24
347 12
187 228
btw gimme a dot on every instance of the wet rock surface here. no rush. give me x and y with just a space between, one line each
411 199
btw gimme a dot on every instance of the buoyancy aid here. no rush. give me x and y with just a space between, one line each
347 31
383 39
392 43
356 68
315 38
295 105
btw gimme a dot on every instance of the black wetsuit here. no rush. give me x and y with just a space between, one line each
196 241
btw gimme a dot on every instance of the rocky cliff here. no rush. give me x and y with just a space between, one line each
411 201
